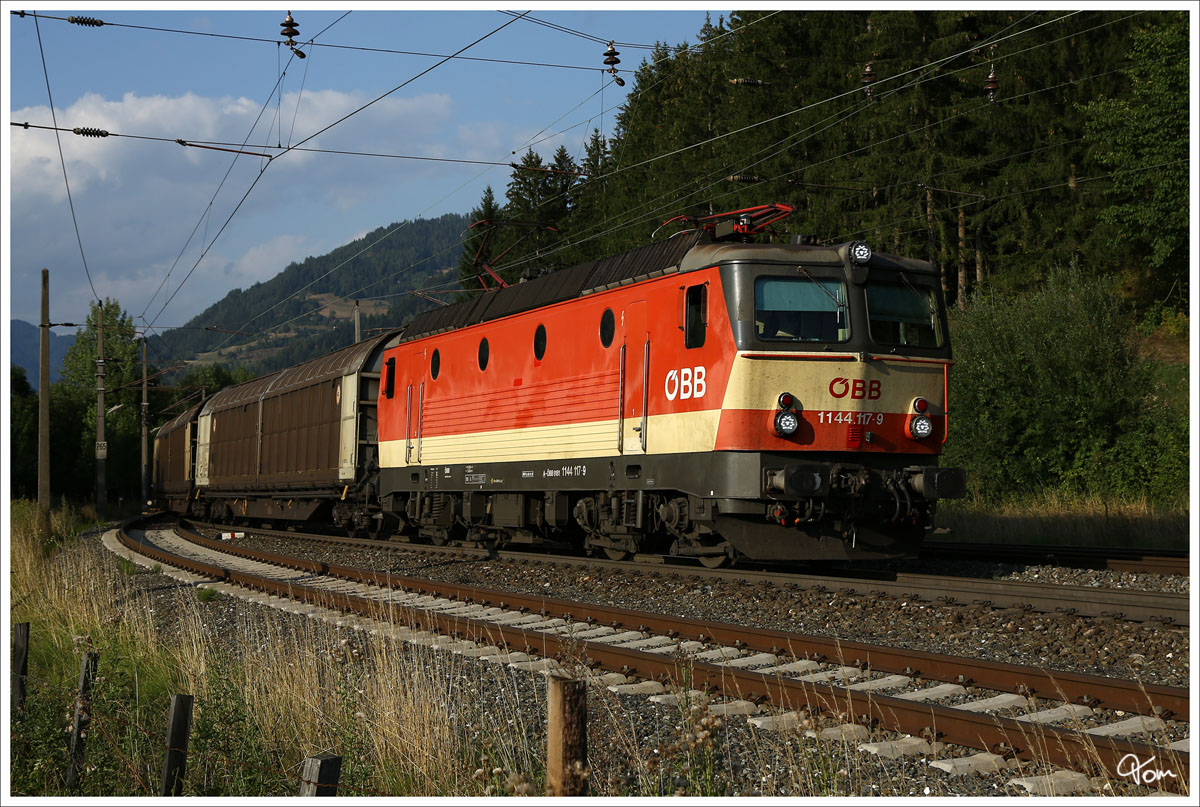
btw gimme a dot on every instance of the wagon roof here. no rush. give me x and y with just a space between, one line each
339 363
179 421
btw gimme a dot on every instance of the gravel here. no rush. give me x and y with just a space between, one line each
640 748
1149 651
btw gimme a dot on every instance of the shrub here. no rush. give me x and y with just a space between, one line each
1047 392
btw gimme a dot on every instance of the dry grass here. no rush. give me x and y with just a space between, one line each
407 720
1053 518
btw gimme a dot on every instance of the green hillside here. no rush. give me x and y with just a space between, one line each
307 309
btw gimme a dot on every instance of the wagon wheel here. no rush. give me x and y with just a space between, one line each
380 528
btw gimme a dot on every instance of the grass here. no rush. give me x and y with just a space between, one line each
1052 518
408 721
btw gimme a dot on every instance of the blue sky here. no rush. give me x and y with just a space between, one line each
137 201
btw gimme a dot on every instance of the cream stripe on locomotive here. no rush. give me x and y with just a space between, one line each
666 434
822 383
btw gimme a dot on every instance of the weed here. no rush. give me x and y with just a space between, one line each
207 594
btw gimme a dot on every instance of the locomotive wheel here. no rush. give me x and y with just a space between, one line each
713 561
616 554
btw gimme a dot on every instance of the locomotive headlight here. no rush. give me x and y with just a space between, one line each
786 400
860 252
786 423
920 427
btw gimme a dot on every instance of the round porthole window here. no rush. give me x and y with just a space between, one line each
435 364
539 342
608 327
483 353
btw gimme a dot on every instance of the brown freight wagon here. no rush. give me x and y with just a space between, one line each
174 468
298 444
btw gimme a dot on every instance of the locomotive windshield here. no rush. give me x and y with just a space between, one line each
800 309
903 315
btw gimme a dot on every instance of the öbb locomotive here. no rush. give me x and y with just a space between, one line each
702 396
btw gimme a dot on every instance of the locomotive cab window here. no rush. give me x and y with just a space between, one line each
903 315
695 316
800 309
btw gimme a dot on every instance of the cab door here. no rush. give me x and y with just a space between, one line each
414 410
635 353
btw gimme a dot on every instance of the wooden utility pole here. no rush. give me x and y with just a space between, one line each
145 425
101 444
43 512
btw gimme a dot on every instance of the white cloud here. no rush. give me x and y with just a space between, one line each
137 201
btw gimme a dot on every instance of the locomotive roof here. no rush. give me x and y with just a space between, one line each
339 363
565 284
685 252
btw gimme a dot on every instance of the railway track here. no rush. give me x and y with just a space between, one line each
777 679
1087 601
1121 559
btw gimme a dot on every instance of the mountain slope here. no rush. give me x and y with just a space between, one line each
307 309
26 350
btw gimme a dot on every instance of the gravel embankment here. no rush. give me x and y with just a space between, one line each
1153 652
627 731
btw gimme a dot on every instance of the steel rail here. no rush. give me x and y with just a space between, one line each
1123 559
1133 605
1064 747
1091 690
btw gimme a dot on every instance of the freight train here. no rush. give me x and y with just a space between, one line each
702 396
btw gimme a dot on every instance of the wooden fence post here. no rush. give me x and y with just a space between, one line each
319 776
566 737
20 665
179 729
83 717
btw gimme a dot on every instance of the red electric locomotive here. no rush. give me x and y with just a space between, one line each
702 396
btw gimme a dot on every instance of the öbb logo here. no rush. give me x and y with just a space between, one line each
857 389
686 383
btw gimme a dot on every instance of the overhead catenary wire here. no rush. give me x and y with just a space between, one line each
239 148
349 115
592 37
208 208
661 207
991 40
975 48
305 140
62 160
677 200
330 45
